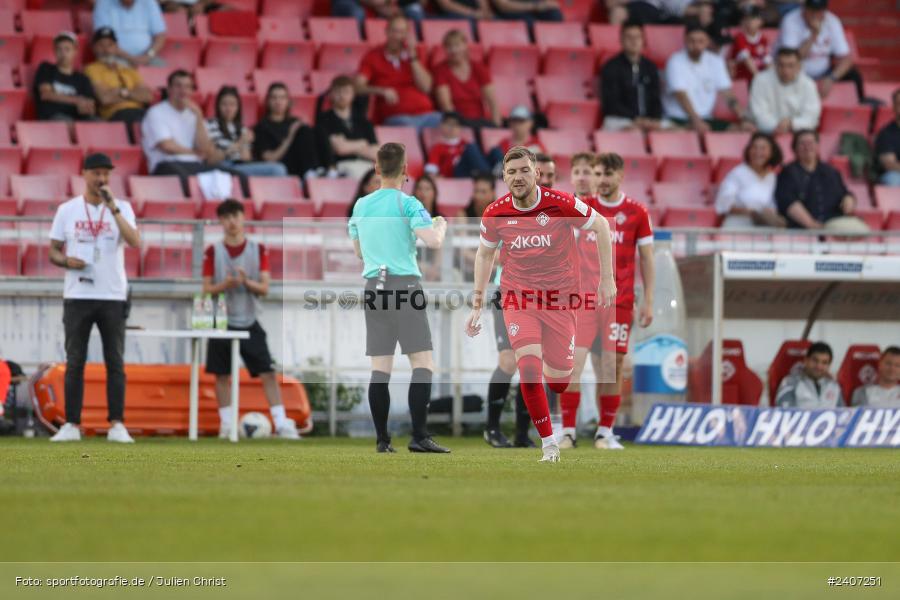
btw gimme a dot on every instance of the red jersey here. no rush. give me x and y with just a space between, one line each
445 155
757 49
629 225
539 253
209 258
383 71
468 99
588 257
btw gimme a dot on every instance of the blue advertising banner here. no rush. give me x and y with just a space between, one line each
748 426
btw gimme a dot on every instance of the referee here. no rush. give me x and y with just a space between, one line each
88 238
384 228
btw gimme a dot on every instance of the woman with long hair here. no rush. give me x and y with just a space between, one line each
282 137
233 142
368 183
747 194
425 190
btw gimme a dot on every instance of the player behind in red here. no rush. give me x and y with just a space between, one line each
632 234
539 284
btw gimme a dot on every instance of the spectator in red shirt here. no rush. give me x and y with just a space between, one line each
464 86
750 51
521 129
395 75
452 156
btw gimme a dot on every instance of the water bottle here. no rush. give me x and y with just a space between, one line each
197 312
221 313
660 351
208 314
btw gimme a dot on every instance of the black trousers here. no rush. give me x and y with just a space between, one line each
79 317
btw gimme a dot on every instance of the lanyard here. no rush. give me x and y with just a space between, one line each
95 231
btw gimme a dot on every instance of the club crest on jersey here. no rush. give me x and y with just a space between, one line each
620 218
513 329
542 219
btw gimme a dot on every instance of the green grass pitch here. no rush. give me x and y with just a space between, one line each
168 500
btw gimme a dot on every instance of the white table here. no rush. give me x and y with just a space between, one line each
196 335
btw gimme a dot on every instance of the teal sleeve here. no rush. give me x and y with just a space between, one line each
416 213
352 229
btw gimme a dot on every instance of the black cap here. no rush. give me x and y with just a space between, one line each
97 160
817 4
451 115
104 33
751 11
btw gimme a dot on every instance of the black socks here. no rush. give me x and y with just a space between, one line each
419 397
380 403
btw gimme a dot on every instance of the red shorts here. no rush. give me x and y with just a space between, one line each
605 330
554 330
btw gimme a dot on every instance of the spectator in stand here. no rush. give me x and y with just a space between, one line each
119 88
785 99
747 194
62 93
139 27
174 136
651 12
192 8
233 142
885 391
346 138
451 156
811 193
465 87
482 196
395 74
426 191
281 137
473 10
528 10
521 133
887 147
819 37
694 78
368 183
749 53
629 85
812 385
384 9
547 166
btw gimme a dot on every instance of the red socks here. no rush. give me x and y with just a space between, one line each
568 402
530 377
609 406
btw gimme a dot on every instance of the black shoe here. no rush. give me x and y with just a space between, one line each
524 442
384 446
496 439
427 445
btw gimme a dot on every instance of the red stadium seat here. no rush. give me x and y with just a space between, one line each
579 63
884 116
12 49
279 29
724 166
728 144
232 24
828 145
685 195
334 30
210 80
303 106
232 53
892 222
181 53
333 210
674 143
154 77
640 191
9 259
678 216
287 8
327 190
196 193
295 264
408 137
862 194
790 354
169 210
94 134
128 161
605 39
558 88
341 57
38 187
887 198
837 119
563 142
690 169
10 162
883 91
577 10
434 30
492 136
375 33
521 60
581 115
7 20
623 143
280 189
263 78
842 94
298 55
320 81
502 33
36 262
558 35
662 41
454 194
176 25
859 367
277 211
741 89
46 22
6 77
155 187
872 217
65 161
42 134
167 263
640 169
116 184
431 136
511 92
12 105
40 208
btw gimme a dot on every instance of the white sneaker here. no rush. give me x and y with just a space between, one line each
224 431
288 430
567 442
118 433
67 433
551 454
608 442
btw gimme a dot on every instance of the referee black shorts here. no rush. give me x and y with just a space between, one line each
396 314
501 335
254 353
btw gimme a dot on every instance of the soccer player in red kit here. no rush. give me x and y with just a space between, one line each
539 284
632 234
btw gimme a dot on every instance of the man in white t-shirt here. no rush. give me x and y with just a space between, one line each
819 37
88 238
885 391
694 79
174 133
